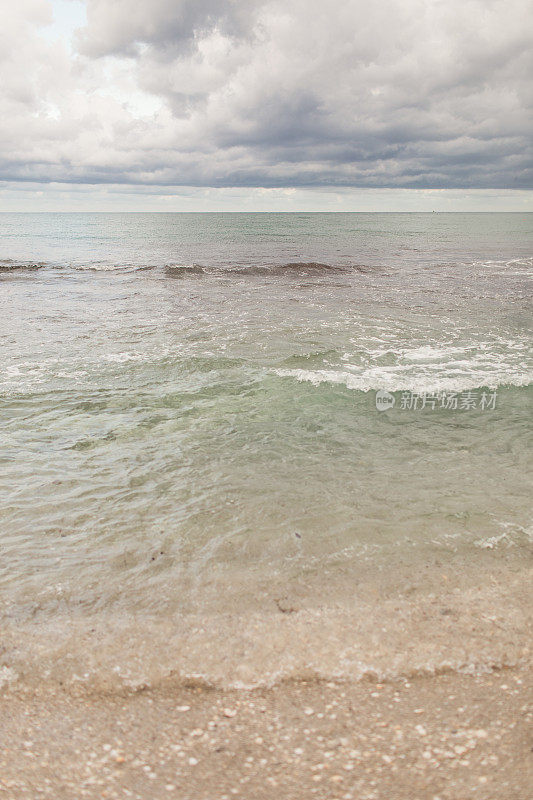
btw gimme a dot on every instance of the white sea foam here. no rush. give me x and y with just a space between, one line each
429 353
122 358
96 266
394 379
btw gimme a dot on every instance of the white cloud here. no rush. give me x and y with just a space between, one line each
401 93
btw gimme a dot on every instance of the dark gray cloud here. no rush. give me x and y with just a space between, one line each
122 27
401 93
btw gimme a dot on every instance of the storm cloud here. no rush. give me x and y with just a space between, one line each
244 93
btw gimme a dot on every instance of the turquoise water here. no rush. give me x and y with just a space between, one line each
188 406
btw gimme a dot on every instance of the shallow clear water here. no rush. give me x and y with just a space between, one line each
188 408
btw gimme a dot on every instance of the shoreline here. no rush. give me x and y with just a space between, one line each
450 736
475 621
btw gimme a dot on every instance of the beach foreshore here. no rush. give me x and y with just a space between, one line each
449 736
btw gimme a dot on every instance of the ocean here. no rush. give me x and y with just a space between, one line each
241 448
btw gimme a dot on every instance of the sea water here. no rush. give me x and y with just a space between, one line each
240 447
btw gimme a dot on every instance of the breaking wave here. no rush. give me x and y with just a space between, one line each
374 380
11 265
177 270
290 269
183 270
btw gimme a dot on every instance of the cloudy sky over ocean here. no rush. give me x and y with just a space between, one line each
246 104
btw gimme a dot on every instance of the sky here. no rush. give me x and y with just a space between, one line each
193 105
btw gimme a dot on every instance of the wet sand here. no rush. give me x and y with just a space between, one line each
445 737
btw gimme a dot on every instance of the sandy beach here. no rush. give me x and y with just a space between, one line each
433 701
445 737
